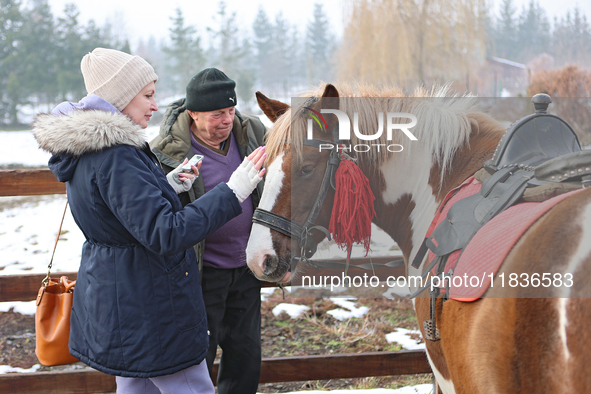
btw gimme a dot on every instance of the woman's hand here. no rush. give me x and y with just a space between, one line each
183 176
182 181
247 176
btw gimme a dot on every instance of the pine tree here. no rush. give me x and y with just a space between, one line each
506 40
152 53
38 55
226 51
571 39
246 77
297 59
11 20
533 32
262 45
92 36
70 51
126 47
278 72
581 42
185 52
318 44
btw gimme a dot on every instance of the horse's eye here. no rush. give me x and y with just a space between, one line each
306 169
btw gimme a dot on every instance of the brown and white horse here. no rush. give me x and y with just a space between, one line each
492 345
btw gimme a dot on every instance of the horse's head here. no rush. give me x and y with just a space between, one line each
295 173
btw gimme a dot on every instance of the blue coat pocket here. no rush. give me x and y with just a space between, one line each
184 286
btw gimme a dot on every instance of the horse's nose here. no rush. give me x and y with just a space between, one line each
270 264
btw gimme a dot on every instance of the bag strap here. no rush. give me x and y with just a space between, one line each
59 232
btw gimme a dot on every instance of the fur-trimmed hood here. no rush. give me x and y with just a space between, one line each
85 131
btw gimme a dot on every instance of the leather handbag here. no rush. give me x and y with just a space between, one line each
52 318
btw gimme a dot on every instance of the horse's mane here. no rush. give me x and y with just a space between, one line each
442 121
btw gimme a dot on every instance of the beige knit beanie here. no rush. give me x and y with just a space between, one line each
114 76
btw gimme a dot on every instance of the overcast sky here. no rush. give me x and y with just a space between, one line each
142 18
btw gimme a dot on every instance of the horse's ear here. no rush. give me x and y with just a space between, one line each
330 91
272 108
330 97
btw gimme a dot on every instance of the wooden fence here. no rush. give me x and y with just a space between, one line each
281 369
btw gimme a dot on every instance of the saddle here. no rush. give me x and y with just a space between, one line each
539 157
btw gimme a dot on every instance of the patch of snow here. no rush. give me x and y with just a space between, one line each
350 309
402 337
6 369
293 310
27 236
266 292
20 147
22 307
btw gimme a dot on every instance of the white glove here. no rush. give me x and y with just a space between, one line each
178 185
244 179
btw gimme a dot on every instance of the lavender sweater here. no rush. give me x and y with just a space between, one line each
225 248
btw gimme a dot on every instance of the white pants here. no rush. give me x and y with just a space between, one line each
193 380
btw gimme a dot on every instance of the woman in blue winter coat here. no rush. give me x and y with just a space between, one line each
138 310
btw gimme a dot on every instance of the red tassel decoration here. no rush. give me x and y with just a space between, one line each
353 208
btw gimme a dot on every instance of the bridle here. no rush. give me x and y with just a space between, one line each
303 233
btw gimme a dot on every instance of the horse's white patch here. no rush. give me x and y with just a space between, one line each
577 260
562 323
399 182
260 242
583 251
446 386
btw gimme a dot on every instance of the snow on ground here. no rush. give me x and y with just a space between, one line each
27 236
349 309
293 310
403 338
21 147
266 292
7 369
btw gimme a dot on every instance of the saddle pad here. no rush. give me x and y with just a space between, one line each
481 257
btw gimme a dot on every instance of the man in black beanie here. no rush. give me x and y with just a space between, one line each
207 123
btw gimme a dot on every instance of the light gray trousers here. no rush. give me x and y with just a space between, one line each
193 380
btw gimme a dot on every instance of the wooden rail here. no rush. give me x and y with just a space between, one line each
29 183
283 369
25 287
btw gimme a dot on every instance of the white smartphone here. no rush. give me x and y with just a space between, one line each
193 162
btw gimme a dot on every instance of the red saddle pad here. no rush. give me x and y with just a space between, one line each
482 257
